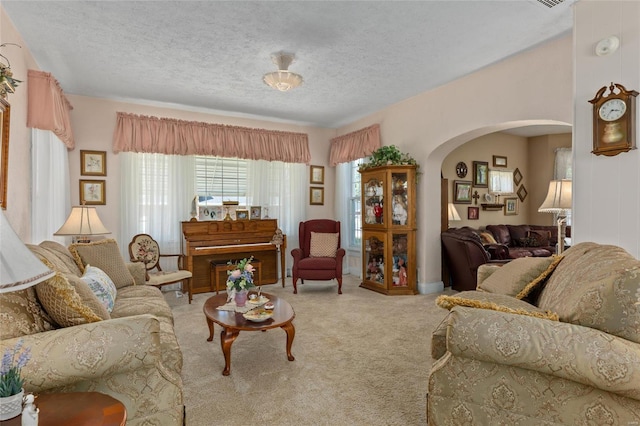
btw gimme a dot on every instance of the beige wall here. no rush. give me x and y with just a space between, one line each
541 160
606 198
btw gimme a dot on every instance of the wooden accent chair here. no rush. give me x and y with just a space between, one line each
143 248
319 256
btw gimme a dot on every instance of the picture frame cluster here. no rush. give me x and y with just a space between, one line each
93 191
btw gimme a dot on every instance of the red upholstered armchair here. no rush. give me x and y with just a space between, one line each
319 256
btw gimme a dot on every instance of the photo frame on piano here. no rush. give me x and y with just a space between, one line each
242 214
256 212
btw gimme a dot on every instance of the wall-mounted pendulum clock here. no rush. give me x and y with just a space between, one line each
614 120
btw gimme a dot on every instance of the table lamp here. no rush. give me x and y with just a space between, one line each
82 222
452 213
20 268
558 201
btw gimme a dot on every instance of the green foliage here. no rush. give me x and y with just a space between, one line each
388 155
13 360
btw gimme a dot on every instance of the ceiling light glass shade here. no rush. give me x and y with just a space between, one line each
19 267
83 220
282 80
558 198
452 212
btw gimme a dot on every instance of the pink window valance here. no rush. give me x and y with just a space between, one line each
354 145
48 108
138 133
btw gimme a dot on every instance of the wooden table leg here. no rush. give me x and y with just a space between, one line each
291 333
210 324
226 340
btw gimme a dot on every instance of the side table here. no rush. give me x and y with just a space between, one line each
76 409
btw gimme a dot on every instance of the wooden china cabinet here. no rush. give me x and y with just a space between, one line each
389 229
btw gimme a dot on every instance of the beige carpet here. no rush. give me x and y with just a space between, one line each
362 358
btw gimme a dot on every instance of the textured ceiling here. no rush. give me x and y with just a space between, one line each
356 57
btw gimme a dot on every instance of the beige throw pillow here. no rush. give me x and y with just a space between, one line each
513 277
105 255
323 244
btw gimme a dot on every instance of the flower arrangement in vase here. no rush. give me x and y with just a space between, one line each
11 381
240 279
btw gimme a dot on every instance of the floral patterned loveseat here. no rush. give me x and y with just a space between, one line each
542 342
130 353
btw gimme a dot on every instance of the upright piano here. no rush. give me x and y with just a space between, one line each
223 241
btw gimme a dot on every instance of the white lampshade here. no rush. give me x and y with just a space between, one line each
19 267
452 212
558 198
83 220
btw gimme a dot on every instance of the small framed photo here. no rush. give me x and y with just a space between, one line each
242 214
481 174
316 196
473 213
317 175
92 192
93 163
462 192
510 206
499 161
256 212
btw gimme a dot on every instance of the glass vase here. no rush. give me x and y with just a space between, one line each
241 298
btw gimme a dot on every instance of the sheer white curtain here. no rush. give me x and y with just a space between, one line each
156 191
563 164
341 201
281 188
50 192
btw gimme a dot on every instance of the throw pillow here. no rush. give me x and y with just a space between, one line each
487 238
514 276
21 314
323 244
528 242
539 281
501 303
103 254
63 303
101 285
540 237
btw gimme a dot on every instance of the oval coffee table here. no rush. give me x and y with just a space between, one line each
233 322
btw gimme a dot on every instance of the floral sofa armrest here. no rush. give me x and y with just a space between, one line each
138 271
580 354
97 350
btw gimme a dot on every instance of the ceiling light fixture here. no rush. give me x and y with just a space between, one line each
283 80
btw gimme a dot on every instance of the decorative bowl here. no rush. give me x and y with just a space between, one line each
258 301
258 315
269 305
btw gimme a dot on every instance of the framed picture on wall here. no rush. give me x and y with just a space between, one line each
93 163
510 206
92 192
316 196
473 213
462 192
481 174
5 111
317 175
499 161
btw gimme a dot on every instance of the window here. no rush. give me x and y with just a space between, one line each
355 214
221 179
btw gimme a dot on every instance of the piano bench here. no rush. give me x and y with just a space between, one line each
218 266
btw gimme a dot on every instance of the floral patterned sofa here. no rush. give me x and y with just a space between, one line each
542 341
130 353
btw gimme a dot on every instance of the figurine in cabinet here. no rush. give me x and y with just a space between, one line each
377 211
399 210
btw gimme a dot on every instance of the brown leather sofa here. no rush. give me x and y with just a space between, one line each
464 252
527 240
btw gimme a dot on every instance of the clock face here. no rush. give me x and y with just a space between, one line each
612 110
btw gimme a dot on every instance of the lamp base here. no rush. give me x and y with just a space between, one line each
562 222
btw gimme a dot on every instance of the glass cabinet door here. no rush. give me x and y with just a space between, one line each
400 199
400 246
375 259
373 194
